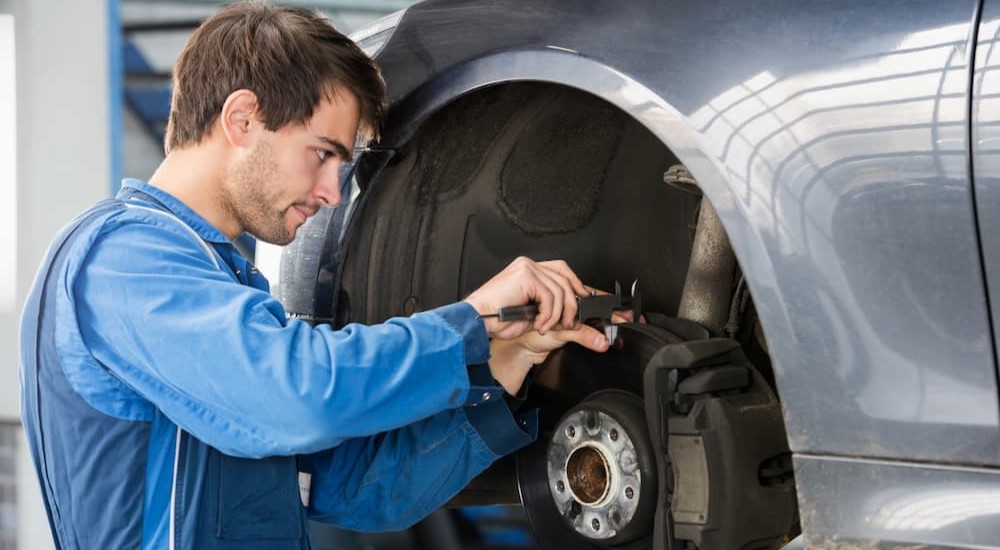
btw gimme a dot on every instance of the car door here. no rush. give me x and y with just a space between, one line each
985 145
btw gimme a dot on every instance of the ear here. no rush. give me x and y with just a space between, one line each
239 119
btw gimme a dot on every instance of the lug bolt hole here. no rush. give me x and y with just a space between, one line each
596 524
570 432
560 486
614 434
629 492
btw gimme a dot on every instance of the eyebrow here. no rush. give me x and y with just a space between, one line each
339 148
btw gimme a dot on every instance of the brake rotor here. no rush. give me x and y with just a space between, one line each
591 482
600 468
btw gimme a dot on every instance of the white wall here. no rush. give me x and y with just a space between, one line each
8 216
63 150
63 160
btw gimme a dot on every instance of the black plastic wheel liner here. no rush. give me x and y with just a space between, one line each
519 169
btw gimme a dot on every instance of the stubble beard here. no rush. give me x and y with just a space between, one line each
251 194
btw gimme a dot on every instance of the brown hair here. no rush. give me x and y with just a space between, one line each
290 57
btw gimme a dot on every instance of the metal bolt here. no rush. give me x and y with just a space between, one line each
629 493
571 431
560 486
596 524
614 434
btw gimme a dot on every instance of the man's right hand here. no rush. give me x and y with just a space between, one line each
552 285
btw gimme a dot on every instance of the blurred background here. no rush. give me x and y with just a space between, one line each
84 96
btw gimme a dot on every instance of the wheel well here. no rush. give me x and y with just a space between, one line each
520 169
545 171
525 168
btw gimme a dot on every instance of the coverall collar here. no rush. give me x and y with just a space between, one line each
201 226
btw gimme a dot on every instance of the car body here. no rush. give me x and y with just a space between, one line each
850 151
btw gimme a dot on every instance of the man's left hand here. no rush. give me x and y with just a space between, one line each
512 359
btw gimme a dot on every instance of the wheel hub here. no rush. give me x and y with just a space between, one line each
594 474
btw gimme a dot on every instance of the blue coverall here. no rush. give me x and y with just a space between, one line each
169 403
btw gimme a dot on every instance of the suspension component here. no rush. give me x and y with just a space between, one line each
708 285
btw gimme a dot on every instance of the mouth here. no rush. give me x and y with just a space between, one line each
303 213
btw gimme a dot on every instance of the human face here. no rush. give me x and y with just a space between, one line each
285 176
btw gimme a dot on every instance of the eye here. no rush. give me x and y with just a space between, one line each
323 154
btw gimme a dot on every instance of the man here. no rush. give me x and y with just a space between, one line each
168 402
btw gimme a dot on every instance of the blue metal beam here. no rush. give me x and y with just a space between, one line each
116 92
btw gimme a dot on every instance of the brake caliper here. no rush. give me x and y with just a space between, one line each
727 482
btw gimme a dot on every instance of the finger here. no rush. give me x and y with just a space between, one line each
512 330
557 293
545 298
568 315
563 268
587 336
621 317
569 303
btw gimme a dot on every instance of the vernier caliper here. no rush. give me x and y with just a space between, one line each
595 310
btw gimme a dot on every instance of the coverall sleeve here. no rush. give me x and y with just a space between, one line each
223 363
392 480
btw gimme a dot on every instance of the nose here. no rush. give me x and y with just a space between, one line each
328 183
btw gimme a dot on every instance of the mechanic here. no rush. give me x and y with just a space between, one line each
167 400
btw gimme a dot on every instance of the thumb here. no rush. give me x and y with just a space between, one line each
587 336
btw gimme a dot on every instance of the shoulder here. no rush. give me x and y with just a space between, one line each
138 237
155 224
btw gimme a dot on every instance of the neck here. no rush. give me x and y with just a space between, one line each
196 177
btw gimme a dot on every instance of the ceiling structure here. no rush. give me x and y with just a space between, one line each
153 35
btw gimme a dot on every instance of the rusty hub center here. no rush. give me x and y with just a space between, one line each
587 471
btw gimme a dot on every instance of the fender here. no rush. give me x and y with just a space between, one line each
833 142
795 288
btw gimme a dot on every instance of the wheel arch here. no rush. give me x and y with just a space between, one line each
563 67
